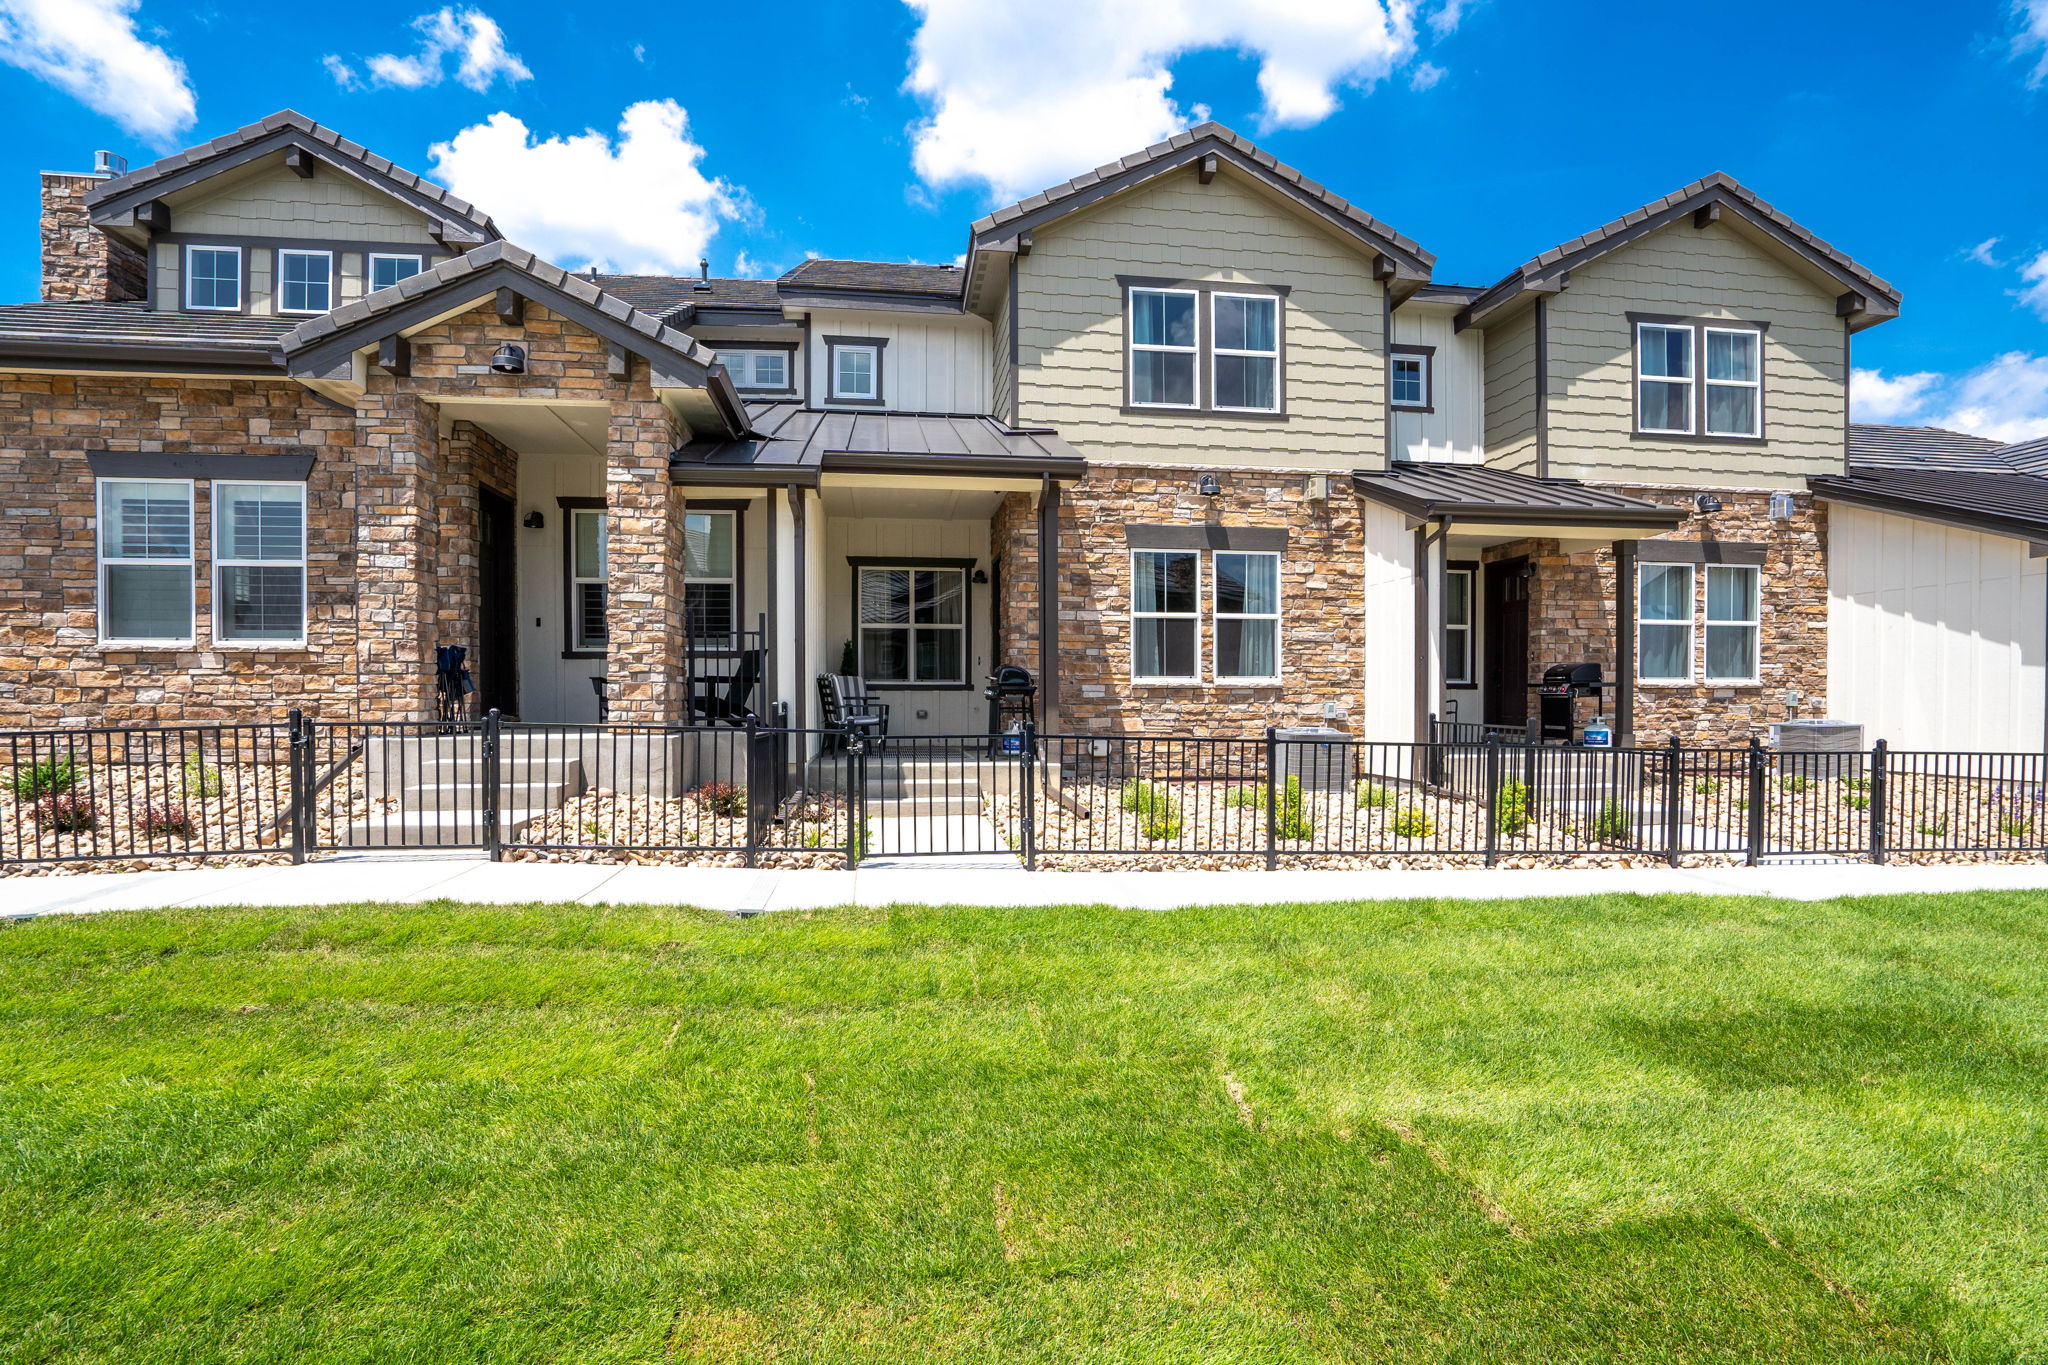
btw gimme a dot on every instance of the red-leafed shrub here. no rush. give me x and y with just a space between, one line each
722 798
167 818
67 813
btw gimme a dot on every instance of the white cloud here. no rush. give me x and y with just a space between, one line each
2005 399
1426 77
344 75
1982 253
89 49
641 204
1444 18
2030 39
472 37
1025 93
2033 290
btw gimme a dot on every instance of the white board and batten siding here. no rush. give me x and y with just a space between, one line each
1935 634
1454 431
931 362
1391 564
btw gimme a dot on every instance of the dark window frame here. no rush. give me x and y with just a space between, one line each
1471 569
1428 355
568 507
1205 350
738 508
966 568
789 352
1699 326
277 256
880 346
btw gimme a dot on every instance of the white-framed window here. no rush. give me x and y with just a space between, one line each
758 369
1163 348
857 372
913 624
259 562
1458 627
1166 615
589 579
1734 616
1244 365
1664 619
388 268
1246 607
711 583
1664 378
1734 382
1408 379
305 281
213 279
145 561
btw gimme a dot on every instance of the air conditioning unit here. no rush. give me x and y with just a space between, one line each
1819 748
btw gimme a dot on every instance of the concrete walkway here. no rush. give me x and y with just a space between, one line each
389 879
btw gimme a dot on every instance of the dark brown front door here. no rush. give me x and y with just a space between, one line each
1507 642
496 666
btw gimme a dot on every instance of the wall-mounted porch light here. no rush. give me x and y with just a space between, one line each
510 359
1208 487
1781 507
534 520
1707 502
1319 488
980 577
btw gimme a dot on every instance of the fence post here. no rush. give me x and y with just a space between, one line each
1673 793
1030 760
753 752
1492 744
1755 834
493 836
295 768
1272 799
856 798
1880 783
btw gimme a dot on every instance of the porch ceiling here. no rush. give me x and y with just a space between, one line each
537 428
911 502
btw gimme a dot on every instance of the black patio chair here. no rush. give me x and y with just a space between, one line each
451 682
733 707
602 686
845 705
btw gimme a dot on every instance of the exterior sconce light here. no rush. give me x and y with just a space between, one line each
1781 507
1208 487
980 578
1319 488
534 520
510 359
1707 502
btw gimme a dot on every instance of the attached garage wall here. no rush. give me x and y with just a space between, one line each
1935 634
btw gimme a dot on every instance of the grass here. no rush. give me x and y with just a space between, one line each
1627 1129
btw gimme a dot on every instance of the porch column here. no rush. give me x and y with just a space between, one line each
1625 642
397 457
644 558
1049 605
801 701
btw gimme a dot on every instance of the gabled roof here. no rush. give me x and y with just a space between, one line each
1407 262
1868 298
1876 445
1480 494
322 347
91 334
872 277
792 444
112 203
2006 503
664 295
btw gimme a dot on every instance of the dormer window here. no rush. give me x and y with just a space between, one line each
387 270
759 371
305 281
213 279
1408 377
853 368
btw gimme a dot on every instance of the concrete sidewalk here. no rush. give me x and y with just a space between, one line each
387 879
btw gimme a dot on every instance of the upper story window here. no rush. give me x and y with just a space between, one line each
1245 370
145 552
1675 398
213 278
1163 348
387 270
305 281
766 371
1408 377
853 369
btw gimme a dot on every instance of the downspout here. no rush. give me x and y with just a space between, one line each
799 711
1016 418
1425 627
774 640
1846 372
1048 601
1625 643
1386 366
1542 388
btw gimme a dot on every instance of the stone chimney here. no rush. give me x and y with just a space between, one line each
80 261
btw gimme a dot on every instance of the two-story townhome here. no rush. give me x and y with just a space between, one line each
1194 439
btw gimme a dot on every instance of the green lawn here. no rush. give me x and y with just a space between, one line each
1627 1129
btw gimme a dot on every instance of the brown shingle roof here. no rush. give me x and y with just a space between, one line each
873 277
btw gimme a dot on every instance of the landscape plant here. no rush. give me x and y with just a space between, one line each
1511 808
1372 796
1413 823
68 814
202 779
1615 824
726 799
167 818
44 777
1291 820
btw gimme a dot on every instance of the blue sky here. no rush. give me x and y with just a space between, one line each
1910 135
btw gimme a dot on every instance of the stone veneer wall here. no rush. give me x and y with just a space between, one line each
1322 630
1013 538
80 261
1571 618
53 670
470 456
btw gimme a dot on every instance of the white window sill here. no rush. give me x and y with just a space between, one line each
257 646
130 646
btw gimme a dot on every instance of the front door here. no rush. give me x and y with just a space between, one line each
497 631
1507 642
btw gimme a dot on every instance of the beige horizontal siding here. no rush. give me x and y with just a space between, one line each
1714 272
1001 380
1070 341
277 203
1510 360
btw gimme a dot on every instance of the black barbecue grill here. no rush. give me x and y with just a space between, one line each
1557 697
1012 698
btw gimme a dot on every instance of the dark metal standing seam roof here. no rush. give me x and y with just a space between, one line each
793 444
2003 503
1478 493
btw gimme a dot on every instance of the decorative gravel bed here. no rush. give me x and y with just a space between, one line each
611 827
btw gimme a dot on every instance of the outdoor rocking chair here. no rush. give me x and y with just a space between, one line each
845 705
734 705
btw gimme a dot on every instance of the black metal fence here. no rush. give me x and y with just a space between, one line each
754 795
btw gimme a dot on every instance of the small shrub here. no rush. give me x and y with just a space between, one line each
1163 824
1292 820
165 819
597 831
1855 800
70 814
1794 783
1372 796
1143 798
1511 808
1937 828
1856 784
201 779
1245 798
1706 786
722 798
1615 824
1411 823
2016 826
45 777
